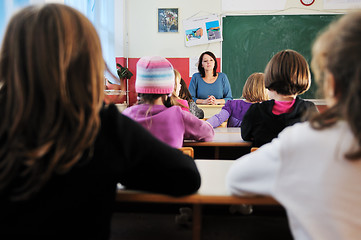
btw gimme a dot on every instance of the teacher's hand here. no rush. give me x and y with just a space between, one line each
211 100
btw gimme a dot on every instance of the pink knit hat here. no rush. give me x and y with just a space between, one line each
154 75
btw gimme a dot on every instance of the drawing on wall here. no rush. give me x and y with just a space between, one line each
167 19
213 30
202 30
193 34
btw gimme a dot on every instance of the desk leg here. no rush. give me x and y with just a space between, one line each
216 152
197 221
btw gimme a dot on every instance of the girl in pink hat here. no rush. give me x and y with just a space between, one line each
154 111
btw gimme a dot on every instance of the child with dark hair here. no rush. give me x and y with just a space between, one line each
313 169
186 95
287 75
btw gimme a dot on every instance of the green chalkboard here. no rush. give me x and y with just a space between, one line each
249 42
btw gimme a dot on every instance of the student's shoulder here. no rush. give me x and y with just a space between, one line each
110 116
129 110
183 101
233 103
262 105
259 109
303 101
242 102
187 116
305 104
300 133
109 111
174 111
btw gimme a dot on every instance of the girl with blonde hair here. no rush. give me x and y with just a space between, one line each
234 110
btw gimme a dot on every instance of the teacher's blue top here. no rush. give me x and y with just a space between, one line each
220 89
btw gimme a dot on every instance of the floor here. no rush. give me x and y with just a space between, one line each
152 221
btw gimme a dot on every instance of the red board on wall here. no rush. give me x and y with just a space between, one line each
181 64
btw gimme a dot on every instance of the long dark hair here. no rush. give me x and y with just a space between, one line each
200 67
51 71
184 92
337 51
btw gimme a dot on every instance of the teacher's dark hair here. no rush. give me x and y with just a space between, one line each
51 78
200 67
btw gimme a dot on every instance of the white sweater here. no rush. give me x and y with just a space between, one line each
305 170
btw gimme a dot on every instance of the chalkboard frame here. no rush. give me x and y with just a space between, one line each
250 41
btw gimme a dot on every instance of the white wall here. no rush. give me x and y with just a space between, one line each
144 39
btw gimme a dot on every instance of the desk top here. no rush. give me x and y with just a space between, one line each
227 137
210 106
213 174
236 130
212 190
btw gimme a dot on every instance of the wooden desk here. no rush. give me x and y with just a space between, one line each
226 144
212 191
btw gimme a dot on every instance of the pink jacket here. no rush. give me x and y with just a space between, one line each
170 125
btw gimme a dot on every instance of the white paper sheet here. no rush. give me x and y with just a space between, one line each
193 65
202 30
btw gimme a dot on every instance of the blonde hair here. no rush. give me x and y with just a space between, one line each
51 71
254 89
174 98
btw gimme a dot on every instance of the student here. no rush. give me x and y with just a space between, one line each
314 168
287 75
207 86
181 97
62 151
234 110
175 99
185 94
154 83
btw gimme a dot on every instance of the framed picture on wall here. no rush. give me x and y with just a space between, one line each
167 19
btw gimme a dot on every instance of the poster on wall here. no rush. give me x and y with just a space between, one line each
167 19
202 30
341 4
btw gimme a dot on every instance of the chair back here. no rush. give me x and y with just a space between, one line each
254 149
188 151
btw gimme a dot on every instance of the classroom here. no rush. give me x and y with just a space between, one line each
172 45
248 35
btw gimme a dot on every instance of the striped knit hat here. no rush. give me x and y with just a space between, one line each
154 75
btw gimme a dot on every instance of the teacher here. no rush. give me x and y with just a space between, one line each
207 86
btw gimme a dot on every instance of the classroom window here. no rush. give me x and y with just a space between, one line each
7 8
101 14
